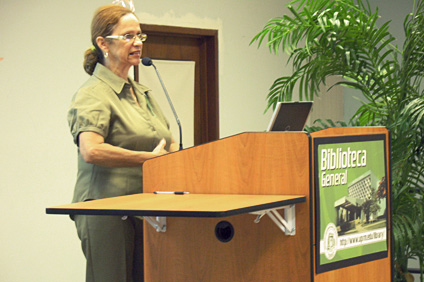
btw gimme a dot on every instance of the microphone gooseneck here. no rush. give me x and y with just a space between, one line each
146 61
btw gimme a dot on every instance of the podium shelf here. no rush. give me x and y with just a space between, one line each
150 205
190 205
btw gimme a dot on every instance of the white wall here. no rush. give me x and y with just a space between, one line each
42 42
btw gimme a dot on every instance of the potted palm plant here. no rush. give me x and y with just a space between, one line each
325 38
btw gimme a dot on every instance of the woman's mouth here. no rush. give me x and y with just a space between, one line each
136 53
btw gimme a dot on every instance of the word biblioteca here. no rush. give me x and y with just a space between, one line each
340 159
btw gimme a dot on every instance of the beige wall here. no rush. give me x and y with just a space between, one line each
42 42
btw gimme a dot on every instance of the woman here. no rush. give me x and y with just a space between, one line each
117 126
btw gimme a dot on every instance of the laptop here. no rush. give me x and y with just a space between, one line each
290 116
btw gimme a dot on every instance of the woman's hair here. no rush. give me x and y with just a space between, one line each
104 21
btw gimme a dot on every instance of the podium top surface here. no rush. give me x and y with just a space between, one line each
189 205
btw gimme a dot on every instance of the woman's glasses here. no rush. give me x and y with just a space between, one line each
128 37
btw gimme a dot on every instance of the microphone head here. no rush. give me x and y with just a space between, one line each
146 61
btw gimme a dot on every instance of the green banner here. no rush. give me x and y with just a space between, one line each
351 199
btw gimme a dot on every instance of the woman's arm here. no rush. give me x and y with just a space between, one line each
94 150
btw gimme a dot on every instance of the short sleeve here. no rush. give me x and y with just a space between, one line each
88 113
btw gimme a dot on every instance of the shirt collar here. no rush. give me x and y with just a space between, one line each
114 81
140 87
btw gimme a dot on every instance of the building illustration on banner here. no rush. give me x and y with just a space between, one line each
364 205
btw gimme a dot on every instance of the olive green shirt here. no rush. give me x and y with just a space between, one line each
104 105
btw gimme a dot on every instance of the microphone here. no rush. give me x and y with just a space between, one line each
148 62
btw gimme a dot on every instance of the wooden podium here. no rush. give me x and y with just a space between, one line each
249 214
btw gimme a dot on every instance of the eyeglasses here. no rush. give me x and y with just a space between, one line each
128 37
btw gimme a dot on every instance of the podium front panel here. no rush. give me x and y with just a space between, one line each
249 163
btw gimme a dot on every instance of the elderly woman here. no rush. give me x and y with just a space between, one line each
116 125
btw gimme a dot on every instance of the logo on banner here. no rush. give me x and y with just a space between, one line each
330 241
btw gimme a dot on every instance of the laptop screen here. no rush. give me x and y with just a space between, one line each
290 116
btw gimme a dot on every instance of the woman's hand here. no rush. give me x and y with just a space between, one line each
160 148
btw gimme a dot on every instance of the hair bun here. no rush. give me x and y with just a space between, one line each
90 60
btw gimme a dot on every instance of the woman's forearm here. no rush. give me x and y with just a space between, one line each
95 151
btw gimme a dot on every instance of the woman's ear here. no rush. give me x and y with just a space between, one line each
101 42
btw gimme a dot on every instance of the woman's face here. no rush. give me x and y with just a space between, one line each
124 54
